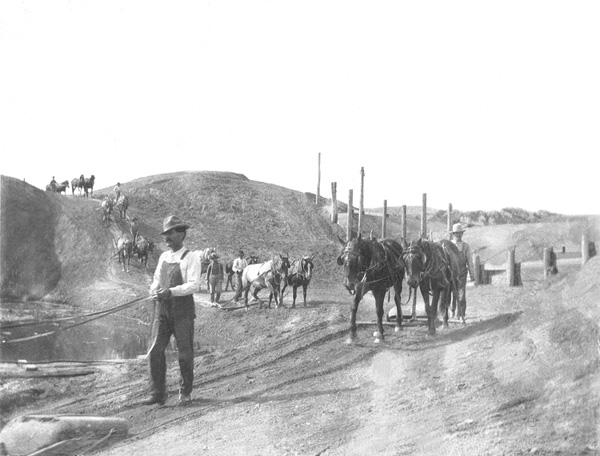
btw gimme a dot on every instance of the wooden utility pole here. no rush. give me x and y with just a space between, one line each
404 223
449 220
318 181
384 219
334 210
361 207
350 216
424 217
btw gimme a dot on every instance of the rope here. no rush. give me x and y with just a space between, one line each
96 316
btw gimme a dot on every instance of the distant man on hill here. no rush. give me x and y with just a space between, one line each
53 184
238 267
176 279
117 191
466 267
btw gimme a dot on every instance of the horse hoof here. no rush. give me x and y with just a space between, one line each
377 341
431 332
398 328
349 341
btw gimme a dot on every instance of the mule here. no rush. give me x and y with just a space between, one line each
204 256
107 208
299 275
269 275
122 205
375 266
430 266
77 183
124 250
58 188
88 185
142 247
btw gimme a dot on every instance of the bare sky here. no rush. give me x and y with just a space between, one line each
483 105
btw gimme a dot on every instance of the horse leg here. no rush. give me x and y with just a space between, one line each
414 306
398 301
353 310
294 294
304 287
379 337
429 309
444 306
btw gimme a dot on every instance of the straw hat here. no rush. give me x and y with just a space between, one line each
171 222
457 228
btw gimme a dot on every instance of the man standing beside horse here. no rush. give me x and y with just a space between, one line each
214 278
176 279
466 267
238 268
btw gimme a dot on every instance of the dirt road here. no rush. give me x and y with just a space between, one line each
519 378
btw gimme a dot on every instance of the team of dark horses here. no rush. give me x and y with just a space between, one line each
380 265
84 185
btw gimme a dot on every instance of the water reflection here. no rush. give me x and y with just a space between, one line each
110 337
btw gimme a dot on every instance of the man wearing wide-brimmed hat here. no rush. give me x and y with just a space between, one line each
176 279
466 267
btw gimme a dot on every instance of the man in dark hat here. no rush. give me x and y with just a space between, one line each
238 267
214 278
466 267
176 279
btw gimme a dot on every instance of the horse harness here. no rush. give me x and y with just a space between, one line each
433 267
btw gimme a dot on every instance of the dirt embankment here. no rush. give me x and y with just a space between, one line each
520 378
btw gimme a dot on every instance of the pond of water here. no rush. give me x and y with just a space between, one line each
107 338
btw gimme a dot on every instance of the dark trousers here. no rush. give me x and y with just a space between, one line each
183 329
462 294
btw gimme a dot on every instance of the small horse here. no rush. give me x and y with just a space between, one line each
107 207
430 266
269 274
373 266
124 250
122 205
143 247
251 259
88 184
58 188
299 275
78 182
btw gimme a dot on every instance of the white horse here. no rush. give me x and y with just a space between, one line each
269 275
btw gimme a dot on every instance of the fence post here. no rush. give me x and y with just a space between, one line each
318 181
361 208
477 271
384 220
424 217
511 267
448 234
585 252
404 223
546 262
350 216
334 209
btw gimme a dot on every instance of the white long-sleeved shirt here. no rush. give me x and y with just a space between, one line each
239 264
190 272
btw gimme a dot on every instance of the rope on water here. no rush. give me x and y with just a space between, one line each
96 316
